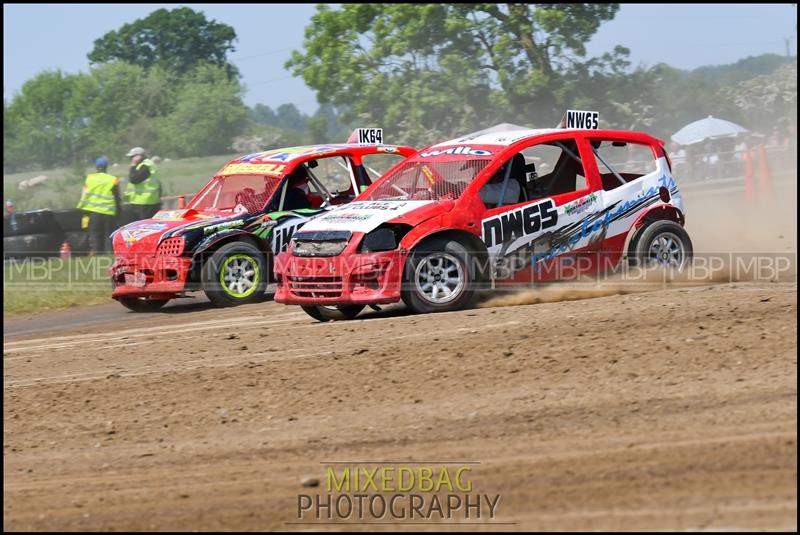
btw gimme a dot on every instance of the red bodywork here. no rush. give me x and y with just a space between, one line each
163 264
150 264
355 277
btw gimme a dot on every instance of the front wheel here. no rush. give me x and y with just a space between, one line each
336 312
142 304
438 277
235 274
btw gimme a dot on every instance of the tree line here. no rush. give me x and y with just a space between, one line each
424 72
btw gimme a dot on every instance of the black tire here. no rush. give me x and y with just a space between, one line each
450 253
68 220
32 245
335 313
33 222
142 304
664 243
238 258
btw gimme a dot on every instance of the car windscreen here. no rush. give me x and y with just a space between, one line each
240 192
427 179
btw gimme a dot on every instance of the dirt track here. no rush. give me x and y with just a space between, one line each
673 409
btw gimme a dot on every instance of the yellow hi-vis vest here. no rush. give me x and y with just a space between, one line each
98 194
146 192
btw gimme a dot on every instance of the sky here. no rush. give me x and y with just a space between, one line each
38 37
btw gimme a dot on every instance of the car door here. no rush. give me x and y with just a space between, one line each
540 237
631 177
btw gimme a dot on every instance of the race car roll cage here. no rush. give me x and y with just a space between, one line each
558 143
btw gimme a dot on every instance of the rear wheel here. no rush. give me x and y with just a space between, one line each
664 244
235 274
142 304
438 277
334 312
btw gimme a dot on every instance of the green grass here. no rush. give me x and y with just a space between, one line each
63 187
37 285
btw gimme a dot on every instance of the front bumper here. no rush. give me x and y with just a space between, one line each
157 277
349 278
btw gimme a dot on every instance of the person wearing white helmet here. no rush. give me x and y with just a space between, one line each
143 192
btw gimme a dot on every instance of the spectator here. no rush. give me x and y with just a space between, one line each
677 155
710 160
101 202
144 189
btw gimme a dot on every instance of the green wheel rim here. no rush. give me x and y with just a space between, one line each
239 275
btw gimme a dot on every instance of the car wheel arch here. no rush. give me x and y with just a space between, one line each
657 213
202 254
472 242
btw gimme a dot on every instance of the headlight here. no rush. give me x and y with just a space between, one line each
320 243
384 238
380 239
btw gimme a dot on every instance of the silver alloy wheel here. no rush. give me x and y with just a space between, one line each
439 278
666 249
239 276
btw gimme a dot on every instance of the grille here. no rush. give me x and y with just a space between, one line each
315 286
171 247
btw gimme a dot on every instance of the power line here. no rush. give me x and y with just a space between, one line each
269 53
270 81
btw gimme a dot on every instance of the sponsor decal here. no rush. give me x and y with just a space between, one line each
221 226
465 150
525 221
566 238
135 233
380 212
390 150
283 235
284 155
345 217
377 205
174 215
581 205
253 168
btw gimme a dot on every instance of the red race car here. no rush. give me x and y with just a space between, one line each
224 240
515 205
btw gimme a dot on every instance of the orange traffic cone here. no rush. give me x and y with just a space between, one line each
764 177
66 250
749 184
181 202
